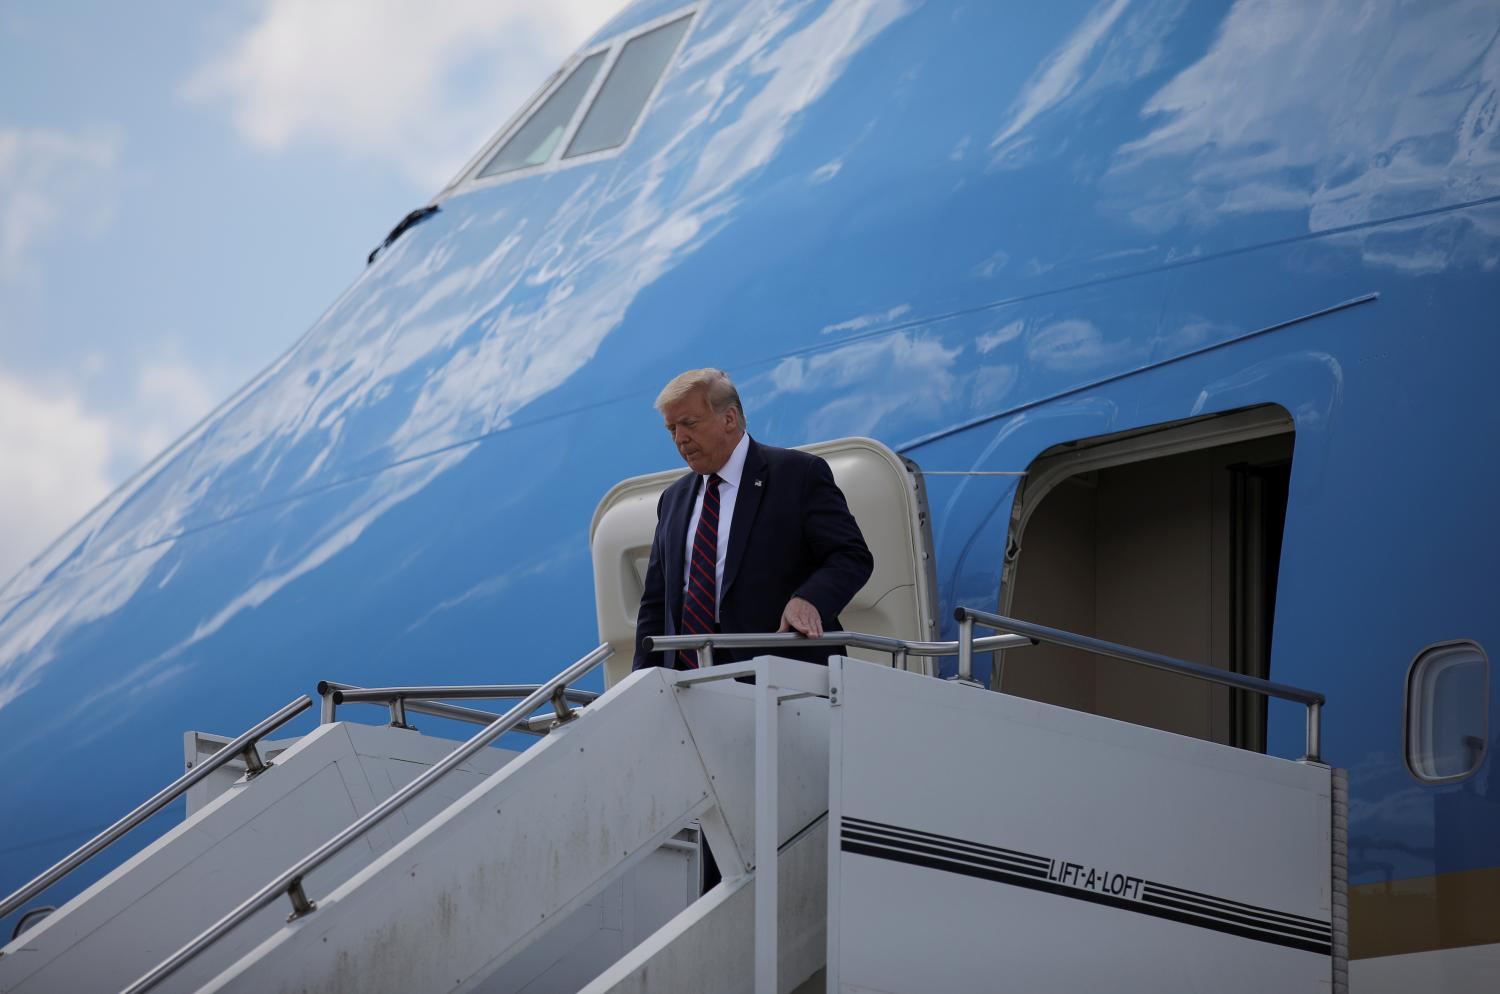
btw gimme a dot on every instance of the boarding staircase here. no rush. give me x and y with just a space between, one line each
877 830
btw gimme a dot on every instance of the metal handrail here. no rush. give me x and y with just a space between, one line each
289 882
898 648
244 745
326 689
1311 699
481 692
1016 633
428 700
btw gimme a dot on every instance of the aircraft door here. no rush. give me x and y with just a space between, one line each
885 495
1167 538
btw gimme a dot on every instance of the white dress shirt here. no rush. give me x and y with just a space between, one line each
730 473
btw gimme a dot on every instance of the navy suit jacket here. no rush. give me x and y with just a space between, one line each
791 536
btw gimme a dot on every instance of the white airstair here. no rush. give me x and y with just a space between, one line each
877 830
250 817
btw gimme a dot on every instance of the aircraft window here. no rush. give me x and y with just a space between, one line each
535 142
626 89
1446 710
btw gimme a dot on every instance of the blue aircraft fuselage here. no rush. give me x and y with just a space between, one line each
971 231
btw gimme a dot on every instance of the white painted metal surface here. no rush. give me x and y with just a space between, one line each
720 714
237 836
1008 845
918 836
456 900
570 954
138 914
197 747
709 947
798 776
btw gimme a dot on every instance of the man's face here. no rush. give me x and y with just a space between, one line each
704 439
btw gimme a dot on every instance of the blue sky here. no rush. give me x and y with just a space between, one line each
184 187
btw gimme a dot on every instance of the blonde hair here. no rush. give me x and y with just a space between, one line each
720 389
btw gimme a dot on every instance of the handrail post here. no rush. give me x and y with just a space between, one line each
1314 732
300 903
565 712
328 707
706 655
398 712
767 821
966 649
254 765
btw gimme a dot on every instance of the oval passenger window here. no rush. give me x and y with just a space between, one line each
1447 712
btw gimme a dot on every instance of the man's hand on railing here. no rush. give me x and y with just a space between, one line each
803 617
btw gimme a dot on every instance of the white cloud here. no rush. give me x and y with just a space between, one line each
170 395
1073 345
1060 75
372 341
865 321
992 265
638 229
875 378
49 178
827 171
24 648
419 86
63 454
992 340
1373 120
390 488
56 456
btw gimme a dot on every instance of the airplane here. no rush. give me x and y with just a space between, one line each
1174 316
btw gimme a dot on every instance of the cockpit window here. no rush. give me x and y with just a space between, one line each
595 107
535 142
629 84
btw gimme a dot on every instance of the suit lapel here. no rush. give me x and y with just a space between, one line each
677 522
746 504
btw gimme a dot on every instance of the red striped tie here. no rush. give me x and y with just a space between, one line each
700 601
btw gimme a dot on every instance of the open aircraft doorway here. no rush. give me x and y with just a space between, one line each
886 495
1167 538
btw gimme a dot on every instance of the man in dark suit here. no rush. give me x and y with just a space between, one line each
755 539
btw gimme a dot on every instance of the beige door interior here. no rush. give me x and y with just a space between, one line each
886 497
1167 539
